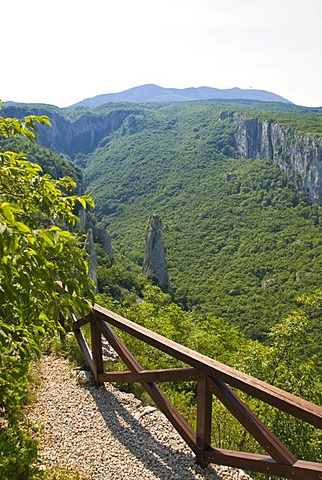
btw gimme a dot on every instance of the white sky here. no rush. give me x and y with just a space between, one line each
60 52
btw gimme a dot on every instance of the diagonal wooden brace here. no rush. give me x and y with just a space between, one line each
179 423
270 443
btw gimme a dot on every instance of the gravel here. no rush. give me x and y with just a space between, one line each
106 434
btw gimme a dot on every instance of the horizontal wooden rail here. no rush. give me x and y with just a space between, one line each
212 378
300 470
276 397
173 375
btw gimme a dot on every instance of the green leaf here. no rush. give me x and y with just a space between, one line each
22 227
7 212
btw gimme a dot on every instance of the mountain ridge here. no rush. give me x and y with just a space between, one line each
155 93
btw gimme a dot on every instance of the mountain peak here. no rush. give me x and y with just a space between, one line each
154 93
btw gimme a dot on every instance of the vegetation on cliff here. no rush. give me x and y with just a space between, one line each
241 241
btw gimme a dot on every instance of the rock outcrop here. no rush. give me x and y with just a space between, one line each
99 234
298 155
155 264
80 134
92 263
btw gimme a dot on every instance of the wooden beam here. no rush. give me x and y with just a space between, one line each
270 443
97 352
84 348
301 470
167 375
204 414
81 322
179 423
274 396
118 377
171 375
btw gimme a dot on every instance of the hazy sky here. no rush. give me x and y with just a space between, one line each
63 51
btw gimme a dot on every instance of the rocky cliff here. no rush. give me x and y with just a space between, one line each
155 264
92 262
77 133
81 136
298 155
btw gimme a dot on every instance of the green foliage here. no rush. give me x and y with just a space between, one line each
242 245
283 365
18 453
43 273
35 254
61 473
241 242
28 127
119 277
54 164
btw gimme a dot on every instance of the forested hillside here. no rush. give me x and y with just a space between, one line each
242 241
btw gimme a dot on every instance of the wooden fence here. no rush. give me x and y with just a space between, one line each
212 378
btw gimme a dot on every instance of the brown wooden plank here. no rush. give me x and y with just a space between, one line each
123 352
204 413
171 375
166 375
118 377
301 470
276 397
81 322
179 423
84 348
97 353
270 443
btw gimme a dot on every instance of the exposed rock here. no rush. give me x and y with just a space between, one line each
269 283
104 239
298 155
155 264
83 377
109 354
92 264
99 234
82 135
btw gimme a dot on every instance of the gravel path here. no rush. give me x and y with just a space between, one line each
109 435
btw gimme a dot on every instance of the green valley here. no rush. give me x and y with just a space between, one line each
242 243
238 188
242 238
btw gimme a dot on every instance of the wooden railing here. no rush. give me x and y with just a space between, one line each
212 378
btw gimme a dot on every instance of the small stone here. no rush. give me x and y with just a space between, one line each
83 377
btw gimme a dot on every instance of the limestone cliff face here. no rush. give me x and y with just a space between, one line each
101 236
82 135
155 264
298 155
92 263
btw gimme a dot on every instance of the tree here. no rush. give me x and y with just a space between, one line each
43 273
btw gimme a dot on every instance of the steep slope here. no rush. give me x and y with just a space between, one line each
53 163
74 131
154 93
241 242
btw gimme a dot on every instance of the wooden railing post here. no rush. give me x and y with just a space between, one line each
97 353
204 411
